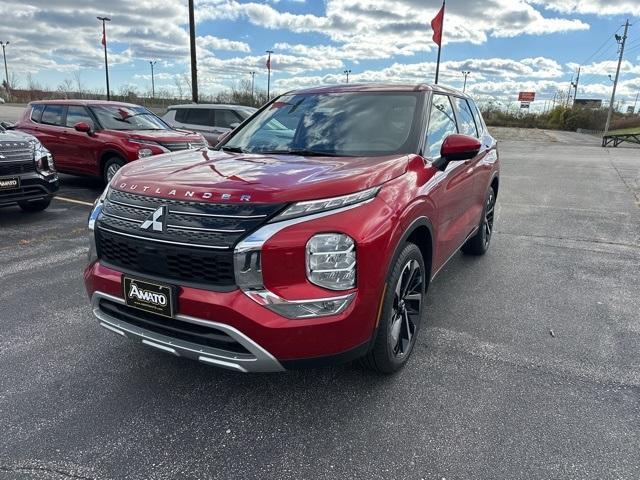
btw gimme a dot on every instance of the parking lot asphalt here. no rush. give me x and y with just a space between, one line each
528 364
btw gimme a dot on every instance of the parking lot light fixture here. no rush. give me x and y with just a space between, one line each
153 83
466 74
347 73
104 44
6 71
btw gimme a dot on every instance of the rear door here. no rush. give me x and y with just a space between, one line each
456 194
468 126
51 133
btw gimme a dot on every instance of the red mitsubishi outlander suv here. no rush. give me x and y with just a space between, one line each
308 236
96 138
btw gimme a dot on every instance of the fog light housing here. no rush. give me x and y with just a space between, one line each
331 261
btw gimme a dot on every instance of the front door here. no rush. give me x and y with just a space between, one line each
456 183
80 146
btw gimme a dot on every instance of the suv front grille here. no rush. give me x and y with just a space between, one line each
196 246
15 152
177 146
7 168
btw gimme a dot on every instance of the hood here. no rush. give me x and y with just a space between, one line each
15 136
218 176
158 135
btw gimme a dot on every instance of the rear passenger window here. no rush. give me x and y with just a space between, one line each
36 113
199 116
466 122
53 114
442 123
224 118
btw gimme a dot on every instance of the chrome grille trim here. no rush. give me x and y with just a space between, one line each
215 215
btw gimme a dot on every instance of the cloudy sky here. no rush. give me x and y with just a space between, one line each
508 45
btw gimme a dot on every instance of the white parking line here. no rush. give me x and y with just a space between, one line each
73 200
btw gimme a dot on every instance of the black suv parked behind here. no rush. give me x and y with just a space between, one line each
27 173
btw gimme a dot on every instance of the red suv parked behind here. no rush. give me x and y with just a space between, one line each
96 138
310 235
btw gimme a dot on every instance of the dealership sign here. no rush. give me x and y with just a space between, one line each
526 96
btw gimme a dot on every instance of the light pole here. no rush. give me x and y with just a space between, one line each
636 102
192 46
464 86
253 80
269 75
347 73
6 72
153 83
104 44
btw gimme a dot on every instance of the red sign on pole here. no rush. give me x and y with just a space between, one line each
526 96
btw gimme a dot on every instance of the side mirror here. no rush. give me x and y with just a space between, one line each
457 147
83 127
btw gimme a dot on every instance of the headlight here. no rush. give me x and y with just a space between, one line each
43 158
300 209
145 152
92 256
148 143
331 261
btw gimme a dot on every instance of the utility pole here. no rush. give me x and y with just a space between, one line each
621 40
269 75
347 73
153 83
464 86
104 44
192 45
253 80
575 86
6 72
566 103
636 102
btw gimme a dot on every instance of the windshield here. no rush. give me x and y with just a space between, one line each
117 117
333 124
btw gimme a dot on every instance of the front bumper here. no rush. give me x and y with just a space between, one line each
33 187
257 360
270 342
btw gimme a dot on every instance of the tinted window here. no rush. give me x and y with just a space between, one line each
53 114
76 114
181 115
476 115
36 113
442 123
466 123
224 118
342 124
123 117
199 116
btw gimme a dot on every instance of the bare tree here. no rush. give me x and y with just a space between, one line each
77 77
65 89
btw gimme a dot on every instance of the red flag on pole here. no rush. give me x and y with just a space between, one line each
269 62
104 36
436 25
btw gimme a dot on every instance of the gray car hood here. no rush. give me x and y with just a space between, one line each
15 136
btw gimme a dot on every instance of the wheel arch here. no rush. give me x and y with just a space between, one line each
420 233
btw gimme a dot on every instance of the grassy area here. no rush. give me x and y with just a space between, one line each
622 131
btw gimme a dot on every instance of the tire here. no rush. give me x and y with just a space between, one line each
33 207
111 167
401 314
479 243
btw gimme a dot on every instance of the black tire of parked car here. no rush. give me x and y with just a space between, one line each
111 166
401 314
479 243
37 206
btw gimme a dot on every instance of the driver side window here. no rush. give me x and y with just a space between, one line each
442 123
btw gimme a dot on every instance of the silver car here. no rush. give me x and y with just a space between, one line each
211 120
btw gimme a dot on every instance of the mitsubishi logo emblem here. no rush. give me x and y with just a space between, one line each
157 221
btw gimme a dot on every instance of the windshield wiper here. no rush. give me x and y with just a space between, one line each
232 149
302 152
